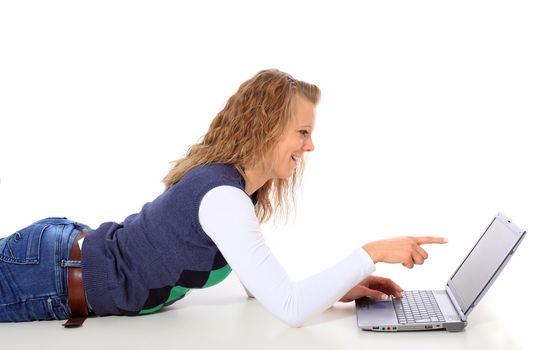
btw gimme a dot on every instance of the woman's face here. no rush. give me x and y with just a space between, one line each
296 140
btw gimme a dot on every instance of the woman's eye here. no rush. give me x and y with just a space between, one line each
304 132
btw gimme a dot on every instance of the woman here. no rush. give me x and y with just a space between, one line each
205 224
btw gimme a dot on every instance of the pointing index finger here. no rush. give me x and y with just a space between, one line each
430 239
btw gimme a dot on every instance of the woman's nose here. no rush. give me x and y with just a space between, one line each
309 145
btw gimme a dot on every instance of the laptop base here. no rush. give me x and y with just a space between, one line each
380 316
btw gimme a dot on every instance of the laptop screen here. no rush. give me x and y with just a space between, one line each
478 270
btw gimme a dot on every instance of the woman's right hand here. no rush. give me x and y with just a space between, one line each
404 250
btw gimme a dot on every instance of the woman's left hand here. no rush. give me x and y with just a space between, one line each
373 287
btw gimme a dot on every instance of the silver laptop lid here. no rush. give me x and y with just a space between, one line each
484 262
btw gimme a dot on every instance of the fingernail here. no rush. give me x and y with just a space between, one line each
445 240
384 297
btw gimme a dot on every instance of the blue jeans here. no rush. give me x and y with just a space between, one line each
33 271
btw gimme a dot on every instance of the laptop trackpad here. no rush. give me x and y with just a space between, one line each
382 312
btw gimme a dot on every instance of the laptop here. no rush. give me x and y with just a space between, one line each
449 308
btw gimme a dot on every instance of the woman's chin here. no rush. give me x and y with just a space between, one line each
285 176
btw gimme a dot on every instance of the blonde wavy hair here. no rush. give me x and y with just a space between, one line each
246 132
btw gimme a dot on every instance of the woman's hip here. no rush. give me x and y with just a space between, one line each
33 273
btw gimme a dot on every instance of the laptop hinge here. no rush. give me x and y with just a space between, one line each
456 306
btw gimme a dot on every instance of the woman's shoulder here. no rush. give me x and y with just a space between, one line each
216 174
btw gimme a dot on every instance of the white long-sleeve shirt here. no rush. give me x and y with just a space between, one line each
227 215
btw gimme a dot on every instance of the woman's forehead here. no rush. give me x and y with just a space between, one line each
303 115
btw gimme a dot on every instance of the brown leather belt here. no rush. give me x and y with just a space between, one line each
77 299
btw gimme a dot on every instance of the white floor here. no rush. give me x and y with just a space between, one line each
222 317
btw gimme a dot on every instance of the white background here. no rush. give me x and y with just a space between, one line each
433 118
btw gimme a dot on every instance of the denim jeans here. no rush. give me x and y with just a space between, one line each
33 271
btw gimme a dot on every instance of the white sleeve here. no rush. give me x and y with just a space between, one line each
227 215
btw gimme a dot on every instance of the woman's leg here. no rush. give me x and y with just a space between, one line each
33 279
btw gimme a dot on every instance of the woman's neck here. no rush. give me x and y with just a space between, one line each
255 178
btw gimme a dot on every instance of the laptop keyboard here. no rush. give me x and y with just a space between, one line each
417 306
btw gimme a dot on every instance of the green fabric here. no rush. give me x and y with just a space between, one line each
178 292
216 276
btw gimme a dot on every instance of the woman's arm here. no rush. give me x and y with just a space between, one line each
228 217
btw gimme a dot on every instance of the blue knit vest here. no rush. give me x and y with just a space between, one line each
154 257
